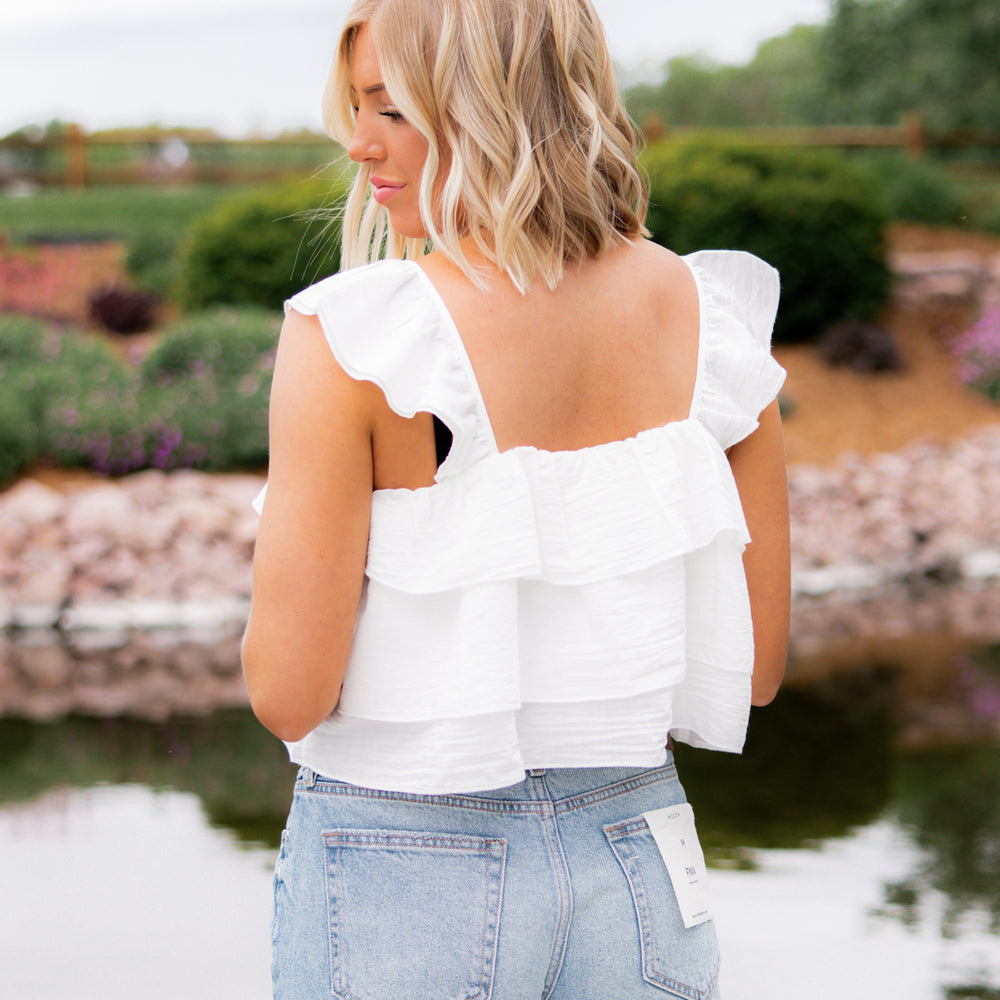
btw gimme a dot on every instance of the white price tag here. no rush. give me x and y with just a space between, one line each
673 830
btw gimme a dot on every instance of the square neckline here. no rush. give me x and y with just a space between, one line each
482 413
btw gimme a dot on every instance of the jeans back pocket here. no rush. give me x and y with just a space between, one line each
682 961
412 915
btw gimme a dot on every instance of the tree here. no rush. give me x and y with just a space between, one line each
777 87
884 58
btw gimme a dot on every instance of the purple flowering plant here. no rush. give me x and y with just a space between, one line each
978 353
198 399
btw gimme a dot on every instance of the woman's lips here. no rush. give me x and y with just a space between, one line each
384 190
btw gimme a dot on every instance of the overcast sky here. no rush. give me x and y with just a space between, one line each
244 66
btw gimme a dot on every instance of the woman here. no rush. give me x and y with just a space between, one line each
503 554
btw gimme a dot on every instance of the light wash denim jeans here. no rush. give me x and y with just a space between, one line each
552 888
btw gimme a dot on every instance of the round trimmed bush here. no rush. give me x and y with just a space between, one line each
814 215
262 247
205 389
73 390
917 190
22 341
123 310
152 260
199 399
18 432
90 408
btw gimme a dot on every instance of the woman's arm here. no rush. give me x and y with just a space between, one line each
758 464
312 543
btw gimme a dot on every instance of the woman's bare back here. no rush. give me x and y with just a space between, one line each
612 351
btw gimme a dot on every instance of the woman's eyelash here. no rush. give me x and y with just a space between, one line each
393 115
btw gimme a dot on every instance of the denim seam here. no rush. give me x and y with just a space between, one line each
335 931
584 799
564 889
494 905
450 801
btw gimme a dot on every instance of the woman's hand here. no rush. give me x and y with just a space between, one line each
312 543
758 464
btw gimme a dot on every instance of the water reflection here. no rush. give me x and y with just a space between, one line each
950 801
815 765
121 892
240 772
839 828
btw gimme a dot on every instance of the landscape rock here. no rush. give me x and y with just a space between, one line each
956 276
923 512
131 595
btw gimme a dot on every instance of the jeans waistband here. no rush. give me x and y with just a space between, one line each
562 787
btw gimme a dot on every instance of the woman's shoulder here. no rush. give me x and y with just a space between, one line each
647 262
364 286
720 275
385 323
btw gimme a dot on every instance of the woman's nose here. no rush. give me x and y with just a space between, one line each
364 145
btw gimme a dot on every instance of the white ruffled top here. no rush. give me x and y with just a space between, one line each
538 609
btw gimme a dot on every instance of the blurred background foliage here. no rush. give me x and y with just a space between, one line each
260 247
209 264
871 63
810 213
70 399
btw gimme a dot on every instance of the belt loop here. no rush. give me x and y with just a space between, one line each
307 776
537 772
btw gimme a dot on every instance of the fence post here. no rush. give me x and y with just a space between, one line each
913 134
76 157
653 128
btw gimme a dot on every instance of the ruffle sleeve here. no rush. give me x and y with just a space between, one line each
386 324
738 377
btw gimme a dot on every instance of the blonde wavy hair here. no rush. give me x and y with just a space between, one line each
531 154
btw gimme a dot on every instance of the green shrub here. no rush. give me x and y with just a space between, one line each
18 433
260 248
73 389
199 399
22 365
204 389
22 341
815 216
917 190
151 261
89 408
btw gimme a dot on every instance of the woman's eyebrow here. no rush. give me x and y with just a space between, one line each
373 89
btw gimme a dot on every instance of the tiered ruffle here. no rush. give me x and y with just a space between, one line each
540 609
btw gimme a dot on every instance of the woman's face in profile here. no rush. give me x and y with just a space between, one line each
385 141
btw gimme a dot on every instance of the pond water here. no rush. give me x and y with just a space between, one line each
137 855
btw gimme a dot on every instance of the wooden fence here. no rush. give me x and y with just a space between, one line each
74 159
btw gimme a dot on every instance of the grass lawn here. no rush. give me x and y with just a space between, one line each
124 212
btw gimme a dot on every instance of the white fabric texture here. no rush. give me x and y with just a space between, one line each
545 609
